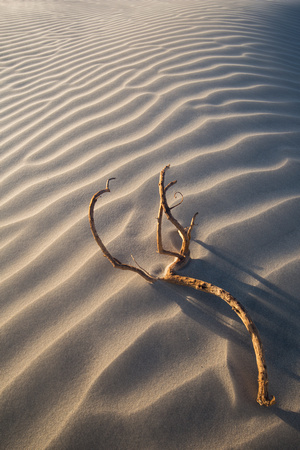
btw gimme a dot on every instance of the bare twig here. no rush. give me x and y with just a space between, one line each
114 261
179 203
162 192
181 259
160 248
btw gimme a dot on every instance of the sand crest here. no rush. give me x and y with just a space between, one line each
95 358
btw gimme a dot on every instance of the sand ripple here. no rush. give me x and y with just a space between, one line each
91 358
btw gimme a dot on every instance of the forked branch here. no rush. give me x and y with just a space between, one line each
170 276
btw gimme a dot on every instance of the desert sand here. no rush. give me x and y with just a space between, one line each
96 358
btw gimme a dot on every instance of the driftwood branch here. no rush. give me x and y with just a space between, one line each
114 261
180 259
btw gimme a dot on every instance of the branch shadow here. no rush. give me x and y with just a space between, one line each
273 310
289 417
276 290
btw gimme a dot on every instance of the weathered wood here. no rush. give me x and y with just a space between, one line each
114 261
170 276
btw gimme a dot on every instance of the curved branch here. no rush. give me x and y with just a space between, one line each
238 308
94 199
171 277
114 261
179 203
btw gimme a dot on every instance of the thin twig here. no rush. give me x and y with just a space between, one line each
160 248
166 208
114 261
179 203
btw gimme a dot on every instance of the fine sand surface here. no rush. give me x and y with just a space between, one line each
96 358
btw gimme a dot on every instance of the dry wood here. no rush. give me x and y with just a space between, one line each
170 276
114 261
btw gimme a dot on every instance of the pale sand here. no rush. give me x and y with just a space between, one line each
96 358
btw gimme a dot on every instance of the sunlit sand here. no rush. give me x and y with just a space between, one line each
96 358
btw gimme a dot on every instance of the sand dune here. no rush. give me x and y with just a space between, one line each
95 358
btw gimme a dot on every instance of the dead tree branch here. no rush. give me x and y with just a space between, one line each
170 276
114 261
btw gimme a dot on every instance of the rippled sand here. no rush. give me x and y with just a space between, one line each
96 358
